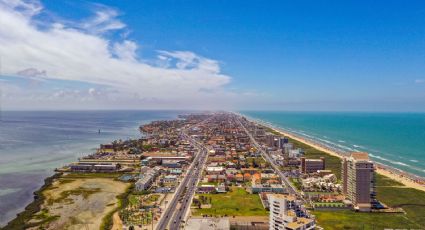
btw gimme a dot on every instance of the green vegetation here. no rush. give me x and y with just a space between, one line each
329 204
44 218
411 200
348 219
386 181
65 181
123 202
296 182
64 196
133 200
236 202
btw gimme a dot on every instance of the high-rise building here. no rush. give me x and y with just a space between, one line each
270 140
286 212
359 180
282 141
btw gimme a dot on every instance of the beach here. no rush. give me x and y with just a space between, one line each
381 169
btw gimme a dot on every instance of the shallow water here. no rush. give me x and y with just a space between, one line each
33 144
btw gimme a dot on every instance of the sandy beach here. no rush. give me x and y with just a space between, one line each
381 169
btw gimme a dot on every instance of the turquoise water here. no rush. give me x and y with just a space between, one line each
33 144
394 139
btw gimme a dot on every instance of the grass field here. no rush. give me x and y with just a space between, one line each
411 200
236 202
355 220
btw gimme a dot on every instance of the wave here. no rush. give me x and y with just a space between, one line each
340 146
401 163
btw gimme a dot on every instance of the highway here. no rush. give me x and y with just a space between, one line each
178 206
266 156
191 188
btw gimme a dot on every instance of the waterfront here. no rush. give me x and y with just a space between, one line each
33 144
393 139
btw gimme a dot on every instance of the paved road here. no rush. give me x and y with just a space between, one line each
290 188
190 191
184 193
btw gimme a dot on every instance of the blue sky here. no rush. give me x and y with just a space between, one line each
283 55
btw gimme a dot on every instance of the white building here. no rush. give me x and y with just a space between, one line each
286 212
147 176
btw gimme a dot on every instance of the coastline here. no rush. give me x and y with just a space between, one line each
32 208
393 173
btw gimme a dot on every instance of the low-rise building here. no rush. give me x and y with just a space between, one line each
214 170
146 178
312 165
273 188
169 179
206 188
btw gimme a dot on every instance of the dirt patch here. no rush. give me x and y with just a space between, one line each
117 222
81 203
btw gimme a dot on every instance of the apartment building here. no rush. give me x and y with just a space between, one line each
286 212
359 180
312 165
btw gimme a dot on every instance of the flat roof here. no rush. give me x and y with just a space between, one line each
282 196
360 156
301 221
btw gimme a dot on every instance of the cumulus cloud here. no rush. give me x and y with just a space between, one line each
81 52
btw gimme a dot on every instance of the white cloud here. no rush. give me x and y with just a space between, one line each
125 50
105 19
80 52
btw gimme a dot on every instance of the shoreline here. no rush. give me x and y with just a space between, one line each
33 207
393 173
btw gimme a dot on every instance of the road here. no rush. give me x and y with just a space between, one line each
191 189
183 196
290 188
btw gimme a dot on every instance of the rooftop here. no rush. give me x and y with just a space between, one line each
301 221
360 156
282 196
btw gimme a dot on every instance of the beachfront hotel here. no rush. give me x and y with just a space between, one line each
286 212
358 180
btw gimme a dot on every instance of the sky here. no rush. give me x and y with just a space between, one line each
232 55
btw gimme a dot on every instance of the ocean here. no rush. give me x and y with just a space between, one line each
393 139
33 144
